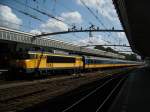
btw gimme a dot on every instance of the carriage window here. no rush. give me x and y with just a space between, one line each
58 59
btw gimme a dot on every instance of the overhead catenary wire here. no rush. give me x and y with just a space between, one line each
6 23
92 13
47 14
95 16
114 11
40 11
32 16
70 10
67 8
25 13
90 10
37 10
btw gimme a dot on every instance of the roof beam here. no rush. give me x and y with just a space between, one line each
77 31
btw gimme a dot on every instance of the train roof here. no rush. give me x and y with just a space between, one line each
52 54
112 59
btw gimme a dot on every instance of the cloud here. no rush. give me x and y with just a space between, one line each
104 7
8 17
35 31
72 17
121 35
92 41
89 3
98 40
68 17
107 9
53 25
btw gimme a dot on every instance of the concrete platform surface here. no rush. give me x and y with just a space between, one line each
135 94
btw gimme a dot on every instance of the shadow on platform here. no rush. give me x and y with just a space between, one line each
135 94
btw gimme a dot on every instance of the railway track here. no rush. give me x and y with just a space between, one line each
17 96
99 99
95 97
39 94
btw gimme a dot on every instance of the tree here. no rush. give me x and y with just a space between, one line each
100 47
131 57
109 49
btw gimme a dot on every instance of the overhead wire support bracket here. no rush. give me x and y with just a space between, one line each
107 45
77 31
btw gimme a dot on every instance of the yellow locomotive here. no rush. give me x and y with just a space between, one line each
44 62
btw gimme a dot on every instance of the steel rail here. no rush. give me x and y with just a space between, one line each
108 97
83 98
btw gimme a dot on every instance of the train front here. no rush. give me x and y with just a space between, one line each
22 62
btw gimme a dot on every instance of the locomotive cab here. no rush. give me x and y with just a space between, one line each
21 61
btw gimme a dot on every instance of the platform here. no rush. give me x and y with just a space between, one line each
135 94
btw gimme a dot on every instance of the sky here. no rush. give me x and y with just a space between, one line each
24 15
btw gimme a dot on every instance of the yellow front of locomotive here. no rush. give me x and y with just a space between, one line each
28 62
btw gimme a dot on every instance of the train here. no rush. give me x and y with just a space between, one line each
42 62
